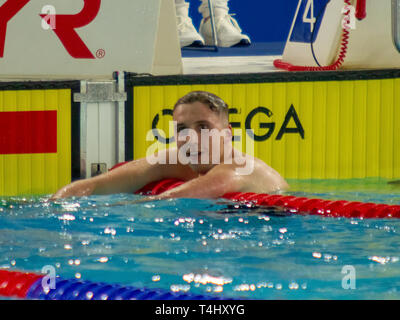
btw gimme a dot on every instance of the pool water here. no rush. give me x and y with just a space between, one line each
211 246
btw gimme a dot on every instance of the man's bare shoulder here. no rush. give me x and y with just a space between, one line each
260 177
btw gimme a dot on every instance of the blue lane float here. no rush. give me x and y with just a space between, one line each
29 286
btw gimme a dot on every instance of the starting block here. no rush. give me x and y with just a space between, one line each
352 34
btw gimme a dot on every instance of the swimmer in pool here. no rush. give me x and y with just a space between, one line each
204 158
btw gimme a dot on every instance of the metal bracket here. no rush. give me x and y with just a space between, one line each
98 168
102 129
104 91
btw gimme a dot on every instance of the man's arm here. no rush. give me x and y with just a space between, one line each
217 182
124 179
127 178
223 179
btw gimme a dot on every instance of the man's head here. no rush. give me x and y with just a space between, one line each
214 103
202 112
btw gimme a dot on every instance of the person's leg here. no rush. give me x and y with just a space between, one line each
187 32
228 31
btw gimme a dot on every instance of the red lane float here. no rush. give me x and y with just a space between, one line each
296 205
16 284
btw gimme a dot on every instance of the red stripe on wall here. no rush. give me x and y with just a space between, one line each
28 132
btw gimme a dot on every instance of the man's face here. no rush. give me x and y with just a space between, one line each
194 123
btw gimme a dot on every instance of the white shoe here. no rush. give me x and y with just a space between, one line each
188 35
227 29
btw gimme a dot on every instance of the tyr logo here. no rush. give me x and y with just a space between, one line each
66 25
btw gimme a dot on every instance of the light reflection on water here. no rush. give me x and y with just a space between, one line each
208 246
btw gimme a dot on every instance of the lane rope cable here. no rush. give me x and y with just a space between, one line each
289 203
293 204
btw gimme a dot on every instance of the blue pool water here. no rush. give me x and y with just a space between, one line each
208 246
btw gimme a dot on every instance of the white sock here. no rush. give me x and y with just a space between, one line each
222 5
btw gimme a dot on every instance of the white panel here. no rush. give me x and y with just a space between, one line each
371 43
117 35
108 133
92 136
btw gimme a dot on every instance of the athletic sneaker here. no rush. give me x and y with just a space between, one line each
188 35
228 32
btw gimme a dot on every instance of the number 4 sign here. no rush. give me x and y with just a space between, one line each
309 15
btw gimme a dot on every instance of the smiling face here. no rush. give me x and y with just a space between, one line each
202 134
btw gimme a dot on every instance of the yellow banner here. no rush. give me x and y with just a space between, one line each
304 130
36 172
